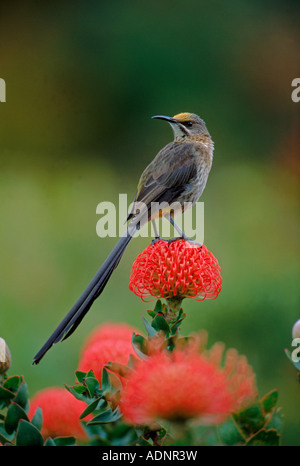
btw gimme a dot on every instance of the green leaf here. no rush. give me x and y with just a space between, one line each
37 419
230 434
80 389
160 324
14 414
28 435
79 392
142 442
176 325
96 404
49 442
139 344
105 382
264 437
106 416
92 385
269 400
142 437
64 441
12 383
181 314
251 419
150 330
80 376
4 436
96 430
22 396
158 307
5 395
276 420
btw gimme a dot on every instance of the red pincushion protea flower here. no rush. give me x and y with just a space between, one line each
187 385
179 269
61 412
97 355
109 331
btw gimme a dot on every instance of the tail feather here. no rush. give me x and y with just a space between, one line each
77 318
83 304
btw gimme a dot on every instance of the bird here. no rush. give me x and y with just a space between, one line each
176 176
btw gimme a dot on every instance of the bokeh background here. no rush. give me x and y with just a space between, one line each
83 80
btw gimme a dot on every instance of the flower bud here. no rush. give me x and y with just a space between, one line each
5 357
296 329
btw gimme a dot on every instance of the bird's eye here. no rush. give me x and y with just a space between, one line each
189 123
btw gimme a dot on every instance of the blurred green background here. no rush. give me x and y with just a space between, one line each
83 80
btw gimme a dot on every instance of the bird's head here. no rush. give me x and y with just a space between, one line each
186 126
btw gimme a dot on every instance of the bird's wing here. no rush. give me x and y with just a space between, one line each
167 176
169 173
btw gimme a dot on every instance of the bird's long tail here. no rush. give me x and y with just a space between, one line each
94 289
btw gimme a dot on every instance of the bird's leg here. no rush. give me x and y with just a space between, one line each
170 217
156 234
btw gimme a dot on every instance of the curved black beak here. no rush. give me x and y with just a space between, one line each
167 118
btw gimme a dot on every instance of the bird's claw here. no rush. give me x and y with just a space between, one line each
185 238
156 239
177 238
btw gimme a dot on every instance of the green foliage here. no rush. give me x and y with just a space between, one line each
105 427
28 435
159 322
16 429
258 424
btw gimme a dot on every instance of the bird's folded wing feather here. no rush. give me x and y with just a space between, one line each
168 175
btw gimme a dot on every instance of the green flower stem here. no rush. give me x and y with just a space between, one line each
173 308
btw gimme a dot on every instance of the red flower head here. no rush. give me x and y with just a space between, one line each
61 412
100 353
187 385
176 270
109 331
